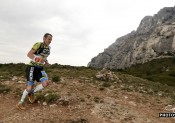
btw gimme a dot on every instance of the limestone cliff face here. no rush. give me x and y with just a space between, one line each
154 38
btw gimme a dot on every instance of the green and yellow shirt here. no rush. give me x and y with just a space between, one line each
41 50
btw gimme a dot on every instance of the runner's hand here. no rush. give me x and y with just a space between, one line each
47 63
37 59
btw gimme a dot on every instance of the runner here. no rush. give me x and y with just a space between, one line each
34 71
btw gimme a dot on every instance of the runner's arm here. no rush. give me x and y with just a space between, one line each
31 54
35 58
46 62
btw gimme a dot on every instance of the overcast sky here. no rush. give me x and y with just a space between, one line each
81 28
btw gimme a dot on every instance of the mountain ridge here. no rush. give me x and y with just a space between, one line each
154 38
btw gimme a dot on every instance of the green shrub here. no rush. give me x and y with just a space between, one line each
40 97
49 96
4 89
55 78
98 99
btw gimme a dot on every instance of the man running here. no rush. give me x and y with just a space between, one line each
34 71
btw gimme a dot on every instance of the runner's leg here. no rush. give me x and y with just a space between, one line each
44 81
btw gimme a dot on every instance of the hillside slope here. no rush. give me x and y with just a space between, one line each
158 70
75 95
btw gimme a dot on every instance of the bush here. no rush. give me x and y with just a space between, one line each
40 97
48 97
98 99
4 89
55 78
52 97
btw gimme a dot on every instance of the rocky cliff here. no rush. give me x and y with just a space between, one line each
153 39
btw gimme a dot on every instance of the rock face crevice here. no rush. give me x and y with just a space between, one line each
153 39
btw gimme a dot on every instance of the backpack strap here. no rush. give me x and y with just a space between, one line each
39 50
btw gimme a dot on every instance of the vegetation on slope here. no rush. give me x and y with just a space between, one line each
158 70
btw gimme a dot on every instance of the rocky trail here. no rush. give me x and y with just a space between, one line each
81 101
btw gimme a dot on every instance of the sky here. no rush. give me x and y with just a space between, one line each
81 29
